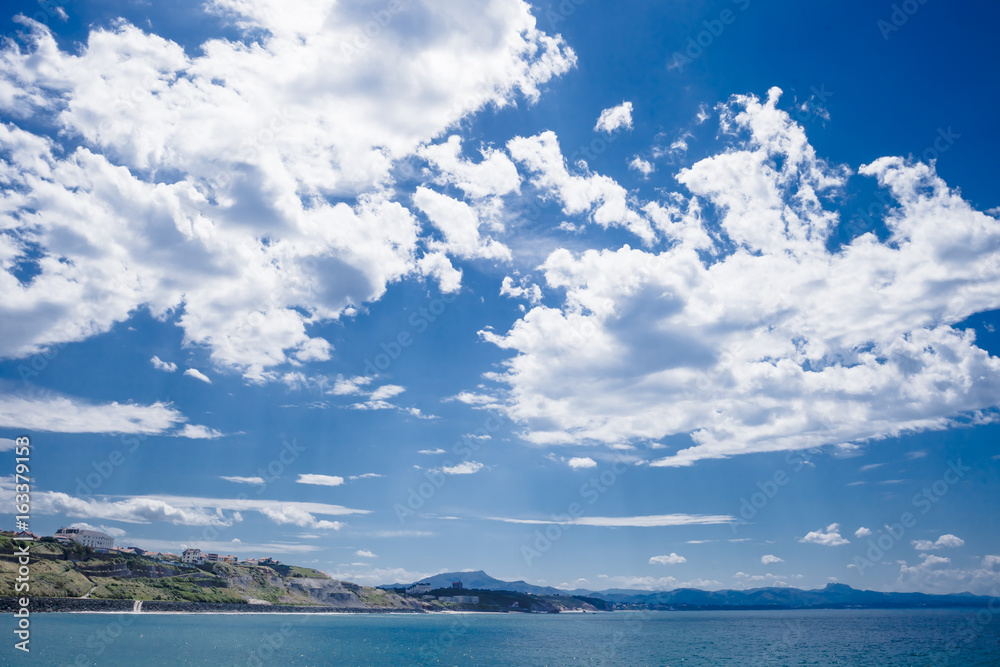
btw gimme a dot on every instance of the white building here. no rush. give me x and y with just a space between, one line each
89 538
418 589
193 556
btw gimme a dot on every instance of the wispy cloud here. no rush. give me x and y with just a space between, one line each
651 521
320 480
243 480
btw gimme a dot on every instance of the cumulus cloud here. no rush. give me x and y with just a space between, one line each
160 365
463 468
198 432
945 541
862 532
937 574
672 559
531 292
751 327
644 167
770 559
495 174
578 462
830 537
320 480
198 375
615 118
600 197
365 553
239 188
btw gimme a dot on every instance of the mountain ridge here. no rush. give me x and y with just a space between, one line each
833 595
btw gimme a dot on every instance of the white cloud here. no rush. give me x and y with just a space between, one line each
578 462
460 225
198 375
243 480
615 118
320 480
752 335
652 521
62 414
463 468
600 197
657 583
770 559
367 475
949 541
431 452
349 386
6 444
365 553
830 537
109 530
494 175
644 167
161 365
862 532
369 576
243 549
744 579
198 432
672 559
531 292
234 225
386 391
935 574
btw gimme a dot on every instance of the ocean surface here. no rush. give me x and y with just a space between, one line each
821 637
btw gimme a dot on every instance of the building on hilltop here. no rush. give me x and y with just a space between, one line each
193 557
419 589
89 538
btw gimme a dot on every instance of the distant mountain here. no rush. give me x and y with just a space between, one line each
483 581
834 596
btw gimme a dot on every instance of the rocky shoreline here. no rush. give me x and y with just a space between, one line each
48 605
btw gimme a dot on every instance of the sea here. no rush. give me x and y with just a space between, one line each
668 638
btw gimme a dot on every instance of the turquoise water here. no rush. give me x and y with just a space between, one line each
827 637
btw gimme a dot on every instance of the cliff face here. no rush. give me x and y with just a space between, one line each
64 573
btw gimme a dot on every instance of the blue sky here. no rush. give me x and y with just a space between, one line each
646 296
